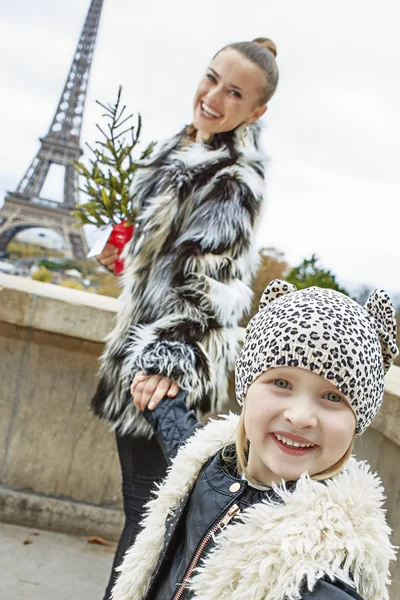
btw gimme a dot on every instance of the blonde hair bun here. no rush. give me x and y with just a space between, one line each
267 43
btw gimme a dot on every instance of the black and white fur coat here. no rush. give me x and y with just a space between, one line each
332 529
187 273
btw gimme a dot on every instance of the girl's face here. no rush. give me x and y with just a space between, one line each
228 95
295 421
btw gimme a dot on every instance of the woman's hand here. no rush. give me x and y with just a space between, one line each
148 390
108 256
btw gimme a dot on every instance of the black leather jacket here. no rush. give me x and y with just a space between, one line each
214 500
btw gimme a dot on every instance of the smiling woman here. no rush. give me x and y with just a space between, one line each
236 87
188 267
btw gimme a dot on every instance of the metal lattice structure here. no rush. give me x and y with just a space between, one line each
24 208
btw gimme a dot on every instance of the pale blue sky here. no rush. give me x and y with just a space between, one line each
332 129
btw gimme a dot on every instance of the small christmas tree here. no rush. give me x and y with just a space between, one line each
108 179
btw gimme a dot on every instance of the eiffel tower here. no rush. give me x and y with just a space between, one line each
24 208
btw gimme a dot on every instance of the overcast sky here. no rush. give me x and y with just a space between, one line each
332 129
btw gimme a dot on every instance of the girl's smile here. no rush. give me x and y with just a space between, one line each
292 444
296 422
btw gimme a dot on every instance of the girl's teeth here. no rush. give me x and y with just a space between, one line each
292 442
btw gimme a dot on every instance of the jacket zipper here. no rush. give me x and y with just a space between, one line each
234 509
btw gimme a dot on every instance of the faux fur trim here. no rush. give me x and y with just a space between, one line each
171 359
274 551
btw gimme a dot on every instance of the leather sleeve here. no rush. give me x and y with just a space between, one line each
173 423
336 590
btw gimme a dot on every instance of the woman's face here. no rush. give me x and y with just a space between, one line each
295 421
228 95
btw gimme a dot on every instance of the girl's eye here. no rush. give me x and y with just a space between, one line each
281 383
235 94
211 77
332 397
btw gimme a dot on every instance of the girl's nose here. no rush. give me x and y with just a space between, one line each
300 414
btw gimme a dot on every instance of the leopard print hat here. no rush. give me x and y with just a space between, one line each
327 333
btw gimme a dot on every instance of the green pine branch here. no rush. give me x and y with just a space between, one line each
108 176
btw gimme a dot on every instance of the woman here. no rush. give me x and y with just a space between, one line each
189 265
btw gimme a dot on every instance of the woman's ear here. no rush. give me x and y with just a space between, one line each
257 114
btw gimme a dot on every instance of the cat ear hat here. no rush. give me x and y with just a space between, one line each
327 333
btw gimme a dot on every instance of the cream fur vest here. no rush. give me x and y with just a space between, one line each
335 528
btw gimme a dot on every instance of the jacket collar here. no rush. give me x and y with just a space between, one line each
242 142
334 528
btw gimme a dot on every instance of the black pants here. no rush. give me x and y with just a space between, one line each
142 464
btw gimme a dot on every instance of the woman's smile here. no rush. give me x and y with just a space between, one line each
208 112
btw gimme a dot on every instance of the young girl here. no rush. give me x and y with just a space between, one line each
269 505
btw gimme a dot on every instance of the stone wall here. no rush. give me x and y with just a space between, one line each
51 446
58 465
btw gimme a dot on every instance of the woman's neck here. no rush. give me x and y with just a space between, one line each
194 135
201 136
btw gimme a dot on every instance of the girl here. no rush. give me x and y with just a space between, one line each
269 505
187 269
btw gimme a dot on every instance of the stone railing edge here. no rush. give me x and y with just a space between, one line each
92 314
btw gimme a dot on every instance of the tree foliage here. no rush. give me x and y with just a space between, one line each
308 273
86 267
272 266
108 178
108 285
17 250
73 284
42 274
362 294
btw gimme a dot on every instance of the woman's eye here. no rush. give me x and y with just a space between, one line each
211 77
235 94
332 397
281 383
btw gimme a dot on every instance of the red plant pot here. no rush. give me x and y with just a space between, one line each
120 235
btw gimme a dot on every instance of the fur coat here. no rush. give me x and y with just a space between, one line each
334 528
187 273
